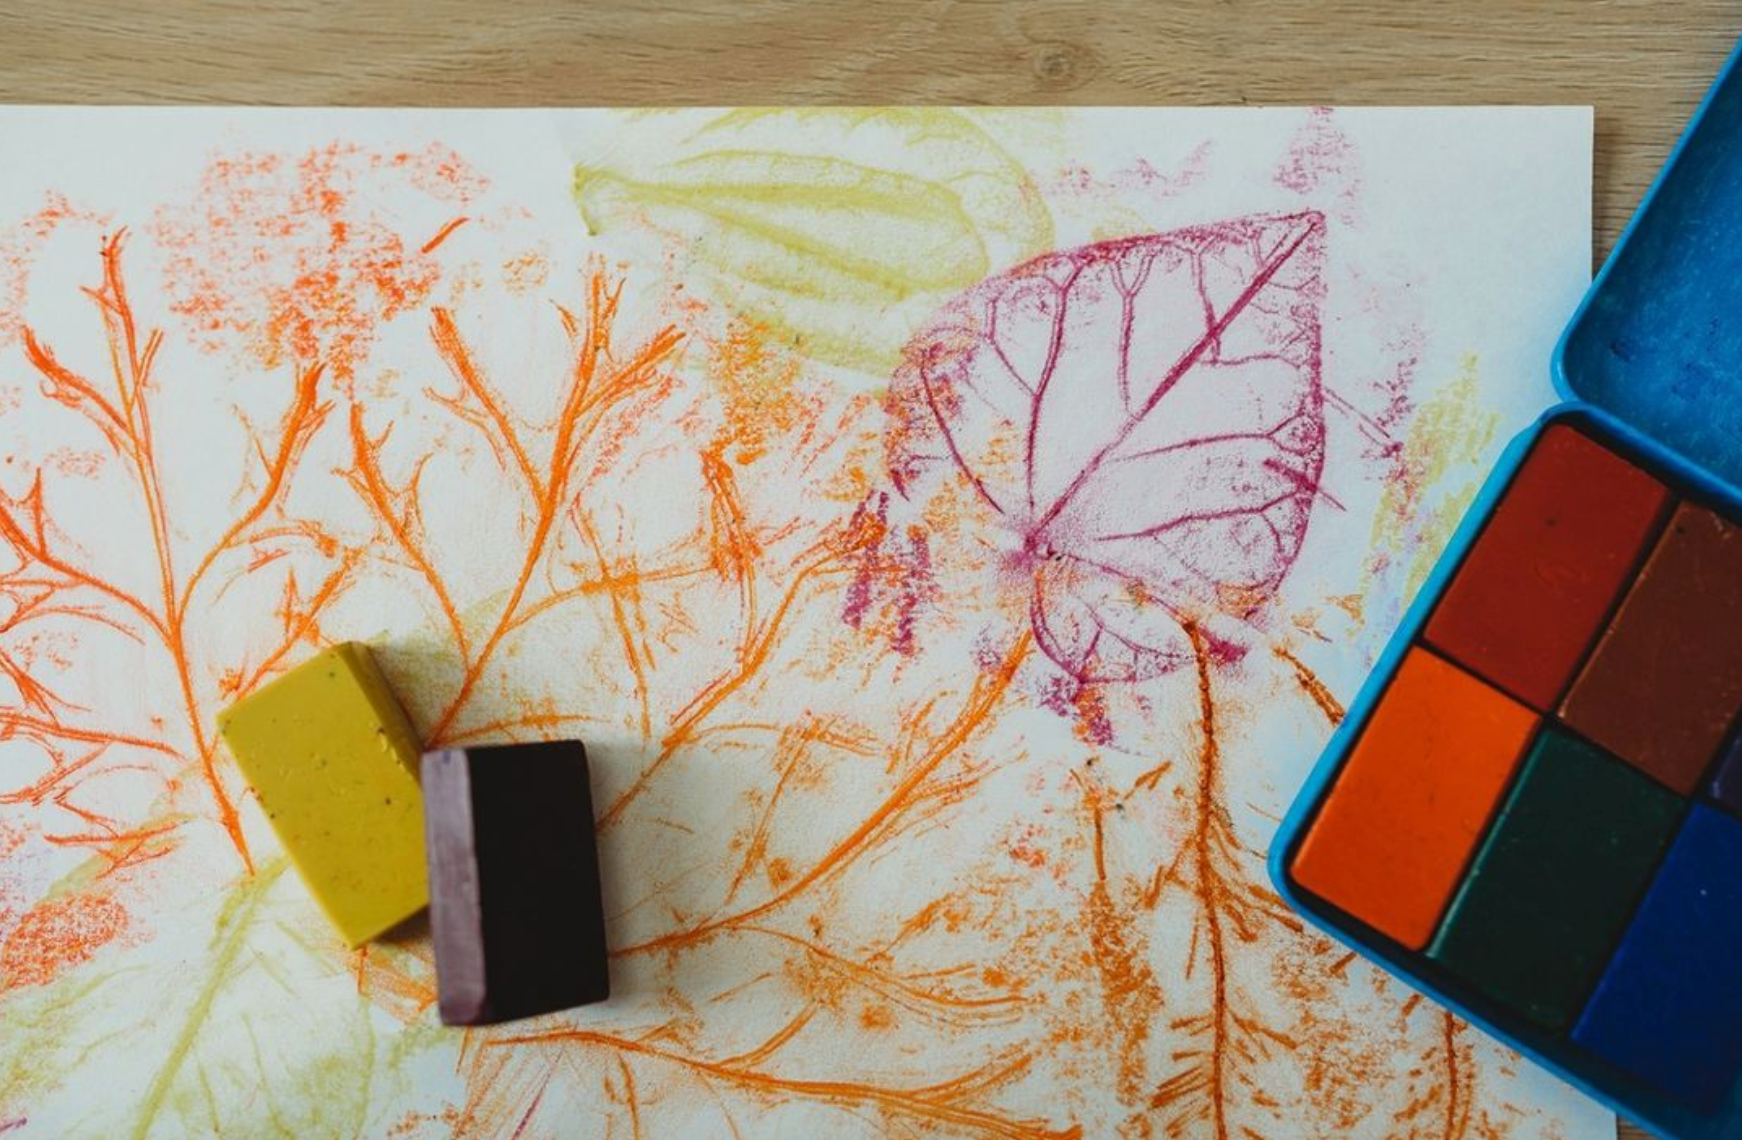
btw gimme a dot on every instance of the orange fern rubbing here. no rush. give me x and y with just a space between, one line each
936 1104
598 381
1230 908
1131 996
987 691
124 417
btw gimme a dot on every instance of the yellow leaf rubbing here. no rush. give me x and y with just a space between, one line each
838 256
229 940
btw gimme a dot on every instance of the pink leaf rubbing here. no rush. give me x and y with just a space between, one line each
1146 419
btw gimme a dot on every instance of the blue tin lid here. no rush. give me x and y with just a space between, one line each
1657 341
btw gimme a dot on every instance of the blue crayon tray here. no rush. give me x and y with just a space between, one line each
1651 363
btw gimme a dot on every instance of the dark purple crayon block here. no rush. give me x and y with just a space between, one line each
1669 1007
513 881
1727 782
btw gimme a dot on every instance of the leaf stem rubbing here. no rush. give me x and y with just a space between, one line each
987 691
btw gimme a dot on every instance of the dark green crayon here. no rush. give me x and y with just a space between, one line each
1551 888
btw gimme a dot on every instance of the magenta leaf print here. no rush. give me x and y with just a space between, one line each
1146 418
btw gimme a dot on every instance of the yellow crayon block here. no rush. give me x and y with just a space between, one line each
332 758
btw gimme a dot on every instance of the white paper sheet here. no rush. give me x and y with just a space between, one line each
954 534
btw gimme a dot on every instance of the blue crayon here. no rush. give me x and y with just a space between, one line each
1669 1007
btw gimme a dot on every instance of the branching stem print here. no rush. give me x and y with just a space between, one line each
126 425
824 560
938 1104
1229 908
598 383
988 689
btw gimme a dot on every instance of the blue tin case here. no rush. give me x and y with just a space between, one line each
1651 364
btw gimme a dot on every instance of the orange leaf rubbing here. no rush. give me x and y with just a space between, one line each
620 607
116 847
615 579
498 430
934 1004
732 545
132 366
131 357
792 750
774 1042
27 534
1229 910
830 556
301 420
987 691
1457 1101
823 560
396 509
67 387
13 724
51 783
598 382
1130 994
1200 1091
299 625
630 1099
928 1104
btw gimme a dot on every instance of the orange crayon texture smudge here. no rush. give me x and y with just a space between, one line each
759 391
398 979
1025 848
440 172
528 271
340 269
57 934
21 245
875 1017
1350 604
1093 724
1129 992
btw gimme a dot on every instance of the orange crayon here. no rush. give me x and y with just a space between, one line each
1413 799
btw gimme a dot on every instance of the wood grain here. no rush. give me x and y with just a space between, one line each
1642 63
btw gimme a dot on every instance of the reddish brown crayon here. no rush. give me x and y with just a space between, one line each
1663 685
1532 593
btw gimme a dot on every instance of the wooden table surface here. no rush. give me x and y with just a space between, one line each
1642 63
